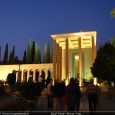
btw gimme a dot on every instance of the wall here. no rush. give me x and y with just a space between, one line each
6 69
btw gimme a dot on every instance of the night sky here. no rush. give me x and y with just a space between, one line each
21 20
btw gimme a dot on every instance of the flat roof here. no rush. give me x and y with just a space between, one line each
86 39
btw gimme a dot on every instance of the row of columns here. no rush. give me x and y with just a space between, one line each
26 73
57 59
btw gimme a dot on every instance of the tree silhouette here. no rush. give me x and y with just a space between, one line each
28 60
39 54
33 52
12 56
37 57
104 65
46 55
24 57
51 57
5 59
32 55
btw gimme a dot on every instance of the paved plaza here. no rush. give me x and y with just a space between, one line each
106 104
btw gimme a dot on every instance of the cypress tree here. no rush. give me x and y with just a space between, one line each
5 59
48 52
37 57
46 56
33 52
28 60
51 57
39 54
24 57
12 55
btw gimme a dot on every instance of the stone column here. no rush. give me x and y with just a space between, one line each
80 60
22 78
16 76
60 49
34 75
27 75
67 59
93 49
46 74
58 62
54 59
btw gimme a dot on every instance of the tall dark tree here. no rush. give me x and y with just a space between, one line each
28 60
48 52
46 55
12 56
33 52
39 54
104 64
5 58
51 57
37 57
24 57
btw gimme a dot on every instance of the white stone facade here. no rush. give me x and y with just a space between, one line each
25 70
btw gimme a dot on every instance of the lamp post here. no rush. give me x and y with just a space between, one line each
19 76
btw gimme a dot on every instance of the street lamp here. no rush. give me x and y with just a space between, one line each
19 76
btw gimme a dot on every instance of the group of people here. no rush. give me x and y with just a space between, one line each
69 96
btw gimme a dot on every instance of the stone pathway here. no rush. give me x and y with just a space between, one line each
105 104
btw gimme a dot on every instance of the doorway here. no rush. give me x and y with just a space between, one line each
76 66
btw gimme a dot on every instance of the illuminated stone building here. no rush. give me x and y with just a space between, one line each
73 55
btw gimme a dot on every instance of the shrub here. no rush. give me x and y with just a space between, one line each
30 90
11 79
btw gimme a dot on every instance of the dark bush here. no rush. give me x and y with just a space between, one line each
30 90
11 79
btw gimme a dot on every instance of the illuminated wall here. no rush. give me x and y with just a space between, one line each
28 68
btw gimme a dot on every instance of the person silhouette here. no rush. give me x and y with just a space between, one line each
73 95
92 92
49 94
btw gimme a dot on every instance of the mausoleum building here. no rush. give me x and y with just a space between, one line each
73 55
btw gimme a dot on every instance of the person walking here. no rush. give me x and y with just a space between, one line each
56 91
73 95
49 94
79 95
92 92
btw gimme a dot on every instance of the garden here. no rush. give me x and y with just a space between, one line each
19 96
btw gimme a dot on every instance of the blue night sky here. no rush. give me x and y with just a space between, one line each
21 20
